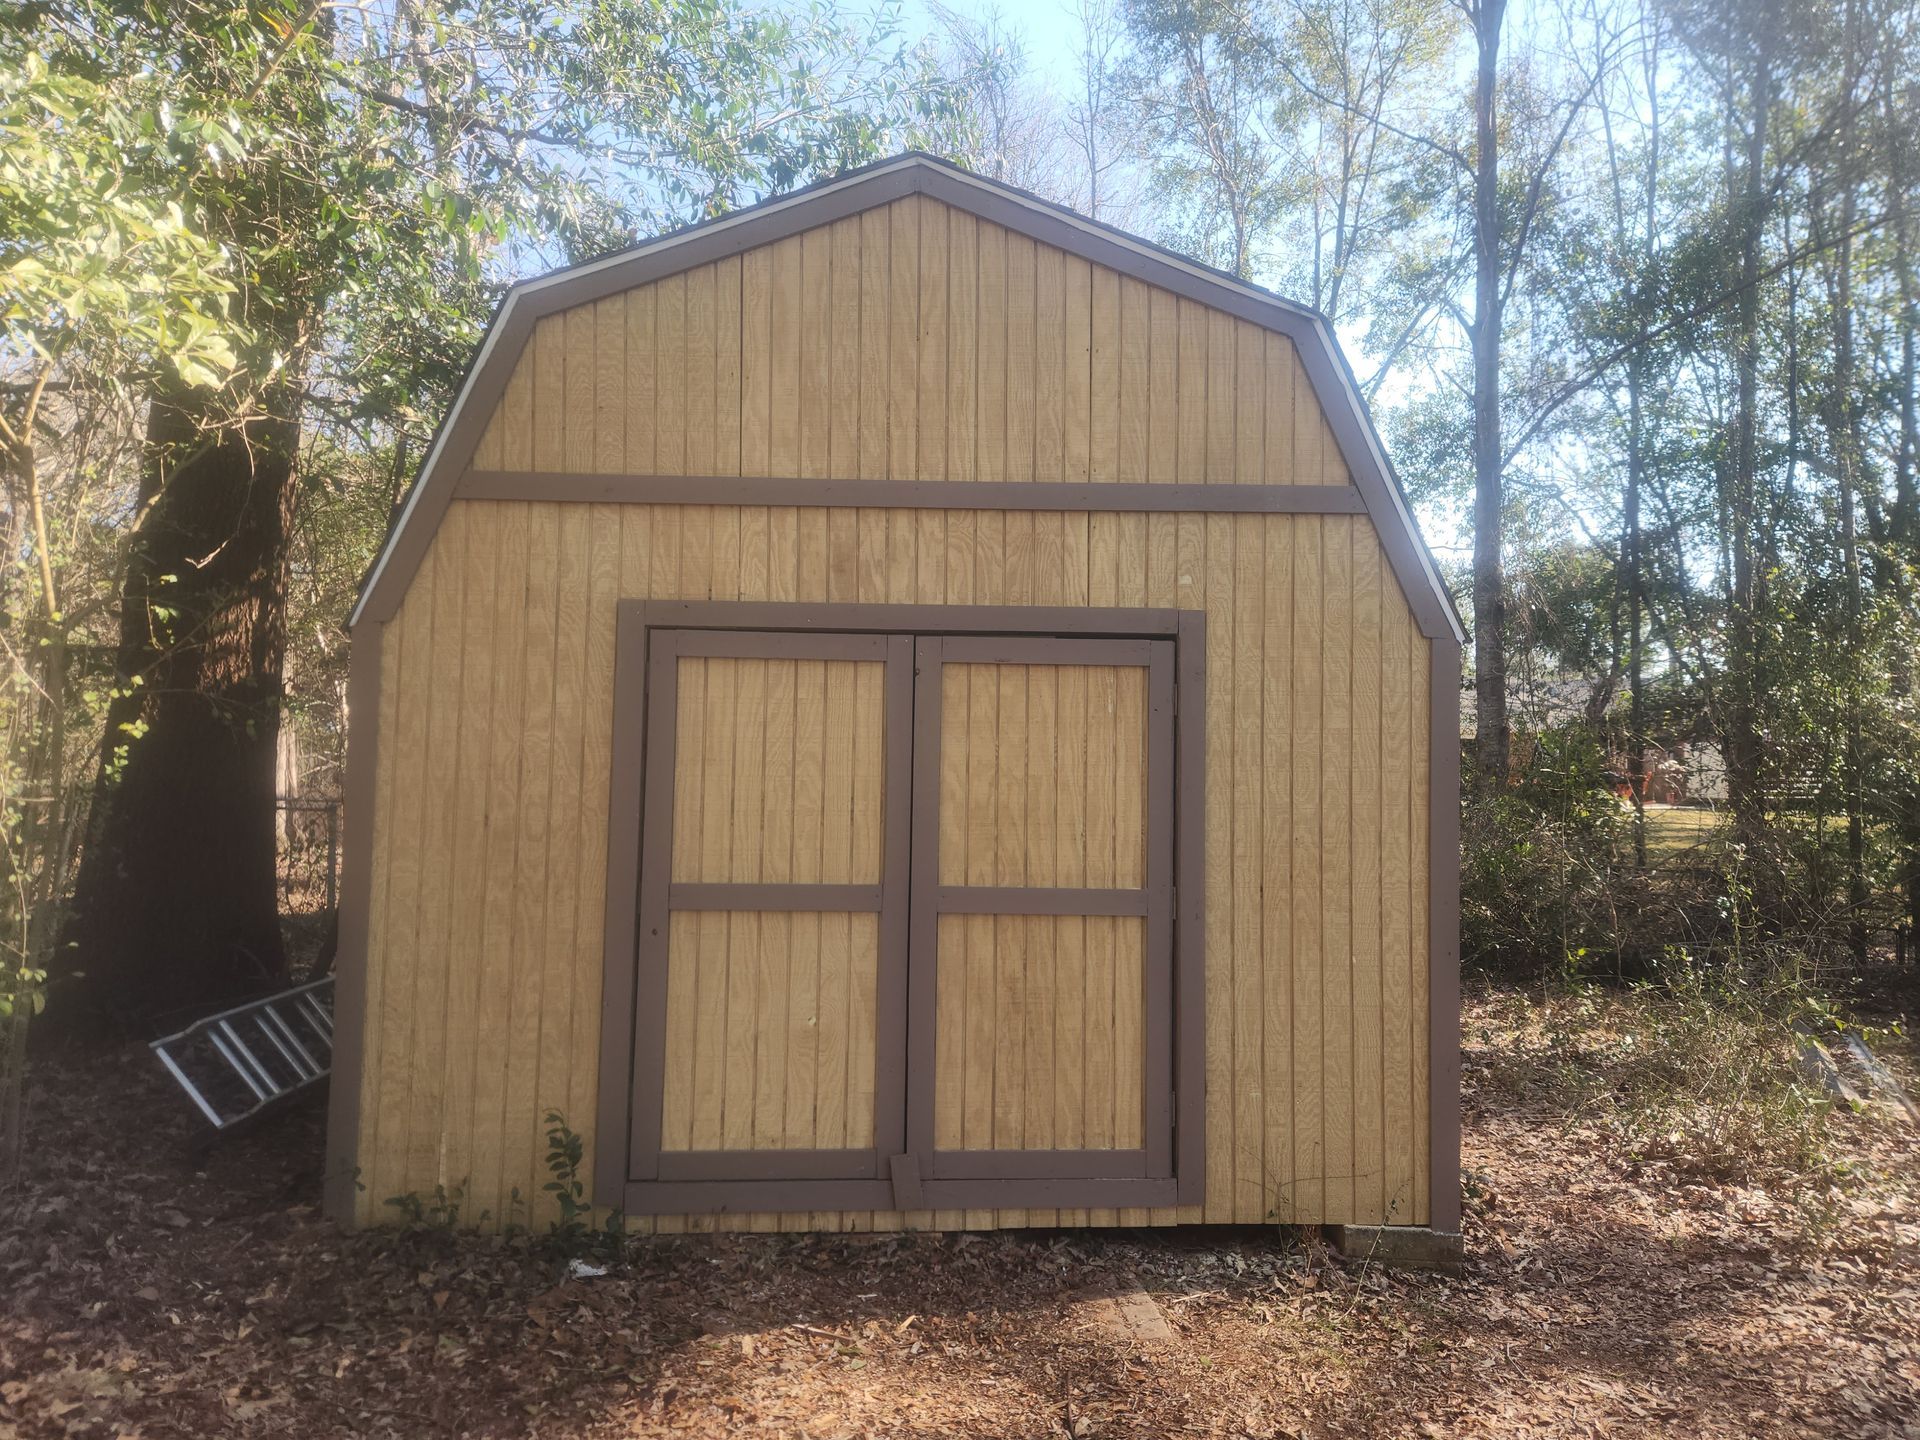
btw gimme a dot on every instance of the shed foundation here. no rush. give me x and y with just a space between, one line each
1405 1247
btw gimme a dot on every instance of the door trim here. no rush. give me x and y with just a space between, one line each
1153 899
634 638
659 899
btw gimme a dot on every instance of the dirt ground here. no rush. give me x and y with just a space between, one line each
1604 1296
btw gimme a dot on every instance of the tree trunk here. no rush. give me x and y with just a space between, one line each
1903 524
1632 535
174 907
1743 743
1489 574
1850 449
1636 623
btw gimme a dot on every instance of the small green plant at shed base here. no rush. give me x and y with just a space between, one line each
437 1214
573 1231
514 1223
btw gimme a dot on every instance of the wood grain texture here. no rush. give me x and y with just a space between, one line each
1021 815
994 1087
806 730
797 1092
1030 1053
914 340
901 344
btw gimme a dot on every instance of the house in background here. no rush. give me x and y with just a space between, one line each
905 707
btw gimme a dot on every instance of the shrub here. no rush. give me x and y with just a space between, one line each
573 1234
1536 893
1691 1070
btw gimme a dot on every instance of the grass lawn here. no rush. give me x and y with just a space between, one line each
1683 834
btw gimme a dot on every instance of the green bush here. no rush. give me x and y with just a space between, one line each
1536 881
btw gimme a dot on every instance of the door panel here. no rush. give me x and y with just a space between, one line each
769 1035
1042 905
768 897
779 770
1029 801
1039 1037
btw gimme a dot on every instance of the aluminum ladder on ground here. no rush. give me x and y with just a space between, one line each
241 1062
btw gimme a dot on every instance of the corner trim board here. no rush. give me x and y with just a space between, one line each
341 1185
1443 942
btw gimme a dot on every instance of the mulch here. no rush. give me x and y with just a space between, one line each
142 1296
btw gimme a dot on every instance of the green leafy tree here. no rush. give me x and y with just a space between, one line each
102 283
363 176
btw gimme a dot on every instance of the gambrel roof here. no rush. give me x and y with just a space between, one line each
1311 334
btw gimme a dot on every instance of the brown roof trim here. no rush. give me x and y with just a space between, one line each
1333 383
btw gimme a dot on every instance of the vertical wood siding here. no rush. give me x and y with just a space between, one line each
763 1032
770 1017
1034 1054
912 342
1021 797
905 342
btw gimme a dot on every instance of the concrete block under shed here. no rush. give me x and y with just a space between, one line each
1405 1247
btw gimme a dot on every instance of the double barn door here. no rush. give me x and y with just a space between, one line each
905 923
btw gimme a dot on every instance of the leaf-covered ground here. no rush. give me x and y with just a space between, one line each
1612 1290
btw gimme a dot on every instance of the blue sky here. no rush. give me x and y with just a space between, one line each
1049 29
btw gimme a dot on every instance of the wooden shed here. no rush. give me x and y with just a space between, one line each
904 707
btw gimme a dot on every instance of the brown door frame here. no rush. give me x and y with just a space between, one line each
661 897
637 779
932 898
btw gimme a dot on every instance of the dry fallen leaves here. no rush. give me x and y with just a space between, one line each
1597 1302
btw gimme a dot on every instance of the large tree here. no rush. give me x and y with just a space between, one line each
368 173
100 284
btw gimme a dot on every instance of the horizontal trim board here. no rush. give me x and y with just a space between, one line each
1033 900
825 899
723 1197
1125 496
769 1166
1051 650
761 645
1039 1165
733 1197
1005 1194
946 620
